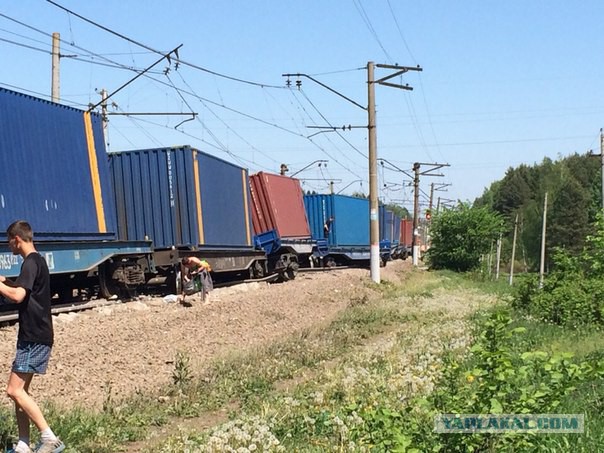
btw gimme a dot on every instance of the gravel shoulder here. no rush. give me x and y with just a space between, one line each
130 347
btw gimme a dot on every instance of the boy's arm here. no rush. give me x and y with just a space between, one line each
10 291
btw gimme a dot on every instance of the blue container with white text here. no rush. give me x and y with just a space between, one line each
350 226
181 197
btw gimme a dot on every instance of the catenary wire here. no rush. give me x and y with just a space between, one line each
218 74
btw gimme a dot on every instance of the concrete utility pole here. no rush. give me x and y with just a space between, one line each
513 250
498 256
374 226
434 187
542 265
437 187
416 168
104 112
414 241
55 94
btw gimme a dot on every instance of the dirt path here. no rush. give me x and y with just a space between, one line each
130 347
438 321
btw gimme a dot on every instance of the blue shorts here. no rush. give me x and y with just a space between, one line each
31 357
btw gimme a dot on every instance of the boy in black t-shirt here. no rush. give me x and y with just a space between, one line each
31 292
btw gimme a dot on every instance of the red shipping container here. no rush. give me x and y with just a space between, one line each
278 204
406 232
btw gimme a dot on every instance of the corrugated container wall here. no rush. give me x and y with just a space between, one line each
406 232
278 204
390 225
53 170
351 218
181 197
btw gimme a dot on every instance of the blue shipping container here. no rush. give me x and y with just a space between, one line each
181 197
350 226
53 170
390 225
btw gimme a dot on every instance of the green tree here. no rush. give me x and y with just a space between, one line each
460 236
568 222
515 191
400 211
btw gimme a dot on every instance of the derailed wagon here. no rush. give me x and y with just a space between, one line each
280 224
347 233
188 203
54 175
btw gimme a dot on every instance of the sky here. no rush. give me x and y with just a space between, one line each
502 83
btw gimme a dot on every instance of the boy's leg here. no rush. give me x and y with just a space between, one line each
18 383
22 418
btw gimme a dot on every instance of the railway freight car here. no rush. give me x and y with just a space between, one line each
347 233
54 174
188 203
390 229
406 232
280 224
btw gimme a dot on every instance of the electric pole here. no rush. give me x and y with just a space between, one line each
498 255
542 264
104 111
417 173
55 94
374 226
601 156
414 241
513 251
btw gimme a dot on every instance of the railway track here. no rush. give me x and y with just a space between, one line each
10 316
74 306
322 269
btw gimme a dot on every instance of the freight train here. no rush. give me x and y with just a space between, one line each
111 224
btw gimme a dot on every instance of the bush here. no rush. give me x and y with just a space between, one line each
573 294
498 379
461 236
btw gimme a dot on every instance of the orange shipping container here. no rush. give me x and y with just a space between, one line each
278 204
406 232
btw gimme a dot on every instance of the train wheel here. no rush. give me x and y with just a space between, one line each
108 287
174 281
292 270
257 270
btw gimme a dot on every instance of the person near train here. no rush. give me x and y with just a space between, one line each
327 227
195 278
31 293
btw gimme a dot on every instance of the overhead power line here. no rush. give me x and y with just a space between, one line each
75 57
144 46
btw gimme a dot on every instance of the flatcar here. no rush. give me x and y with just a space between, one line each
344 222
54 174
188 203
281 226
